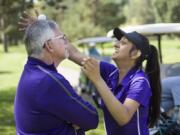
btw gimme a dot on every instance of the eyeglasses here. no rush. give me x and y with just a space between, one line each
58 37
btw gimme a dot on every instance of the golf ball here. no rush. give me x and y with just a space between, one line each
42 17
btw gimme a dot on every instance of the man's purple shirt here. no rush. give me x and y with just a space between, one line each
46 104
135 86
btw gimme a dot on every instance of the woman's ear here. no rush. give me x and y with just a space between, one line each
48 47
135 54
138 53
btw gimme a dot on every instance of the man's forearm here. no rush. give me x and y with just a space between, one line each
75 55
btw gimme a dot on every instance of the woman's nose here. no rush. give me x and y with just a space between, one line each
116 44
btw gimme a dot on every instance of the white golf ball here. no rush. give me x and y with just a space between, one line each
42 17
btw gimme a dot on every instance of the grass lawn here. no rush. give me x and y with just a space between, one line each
11 65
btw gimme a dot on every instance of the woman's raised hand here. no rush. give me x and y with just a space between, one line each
26 19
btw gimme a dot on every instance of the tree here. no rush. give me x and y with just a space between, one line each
9 12
111 15
77 19
83 18
139 12
167 11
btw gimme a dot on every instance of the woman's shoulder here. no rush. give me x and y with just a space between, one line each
140 76
140 73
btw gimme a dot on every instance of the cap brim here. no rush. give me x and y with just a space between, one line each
118 33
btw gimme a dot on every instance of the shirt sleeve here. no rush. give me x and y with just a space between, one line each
106 69
59 99
140 91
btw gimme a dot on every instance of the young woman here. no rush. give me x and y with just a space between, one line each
130 95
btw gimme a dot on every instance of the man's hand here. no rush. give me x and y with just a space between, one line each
26 19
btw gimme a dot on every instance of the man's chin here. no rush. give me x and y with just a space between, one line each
114 57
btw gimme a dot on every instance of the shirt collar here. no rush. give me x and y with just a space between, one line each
35 61
130 74
114 76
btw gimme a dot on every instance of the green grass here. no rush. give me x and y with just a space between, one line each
6 112
11 66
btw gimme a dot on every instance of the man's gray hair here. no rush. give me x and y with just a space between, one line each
37 34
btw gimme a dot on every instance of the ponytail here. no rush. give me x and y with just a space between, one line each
153 71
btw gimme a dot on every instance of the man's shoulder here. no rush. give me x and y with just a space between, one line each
52 76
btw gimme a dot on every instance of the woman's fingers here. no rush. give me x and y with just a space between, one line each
22 29
22 26
22 23
87 64
36 12
27 15
25 20
90 64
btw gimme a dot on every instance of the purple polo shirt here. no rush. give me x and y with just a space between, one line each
46 104
135 86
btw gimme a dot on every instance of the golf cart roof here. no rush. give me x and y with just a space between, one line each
152 29
94 40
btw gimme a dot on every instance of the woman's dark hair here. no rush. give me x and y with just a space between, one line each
152 69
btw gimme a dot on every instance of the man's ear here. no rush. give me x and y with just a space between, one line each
48 47
135 54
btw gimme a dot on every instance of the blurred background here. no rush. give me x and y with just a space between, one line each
78 19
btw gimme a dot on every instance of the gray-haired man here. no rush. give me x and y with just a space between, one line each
45 102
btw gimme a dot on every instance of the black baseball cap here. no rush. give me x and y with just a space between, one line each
140 41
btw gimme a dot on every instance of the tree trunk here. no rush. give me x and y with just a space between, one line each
3 36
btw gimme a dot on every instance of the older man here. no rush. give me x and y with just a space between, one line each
45 102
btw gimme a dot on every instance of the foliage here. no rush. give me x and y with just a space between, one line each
9 12
167 11
139 12
82 18
79 18
111 15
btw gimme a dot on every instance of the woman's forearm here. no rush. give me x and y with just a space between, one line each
122 113
119 112
75 55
